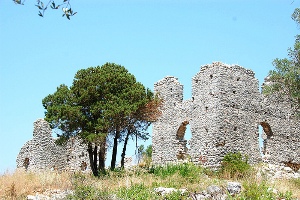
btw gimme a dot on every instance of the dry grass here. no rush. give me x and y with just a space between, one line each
285 185
19 184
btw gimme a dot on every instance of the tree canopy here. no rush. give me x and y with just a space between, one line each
102 101
286 75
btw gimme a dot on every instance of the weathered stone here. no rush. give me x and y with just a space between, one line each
31 197
234 188
200 196
164 191
224 115
215 192
42 153
51 195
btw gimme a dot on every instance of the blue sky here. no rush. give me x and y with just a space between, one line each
152 39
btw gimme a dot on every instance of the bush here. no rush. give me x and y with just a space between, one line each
137 191
235 165
253 190
84 189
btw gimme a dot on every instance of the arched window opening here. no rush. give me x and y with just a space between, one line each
183 135
188 135
181 130
265 133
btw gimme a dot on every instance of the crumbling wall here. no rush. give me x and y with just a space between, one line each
281 130
224 113
43 153
167 146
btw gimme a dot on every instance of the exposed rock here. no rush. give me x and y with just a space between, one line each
163 191
215 192
200 196
234 188
51 195
277 172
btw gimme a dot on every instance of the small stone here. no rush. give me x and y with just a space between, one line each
163 191
288 169
31 197
234 188
198 196
278 174
215 192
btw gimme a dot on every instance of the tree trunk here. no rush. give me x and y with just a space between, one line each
115 149
95 159
92 160
102 153
124 149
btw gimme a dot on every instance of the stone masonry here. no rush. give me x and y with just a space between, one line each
224 115
43 153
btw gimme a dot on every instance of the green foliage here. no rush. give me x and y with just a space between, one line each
253 190
101 101
82 190
235 164
296 15
285 78
262 191
145 156
189 171
141 192
288 195
136 191
148 151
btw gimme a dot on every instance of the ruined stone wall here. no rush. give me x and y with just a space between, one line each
281 130
224 114
174 113
43 153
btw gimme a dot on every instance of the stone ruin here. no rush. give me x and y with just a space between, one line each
224 115
43 153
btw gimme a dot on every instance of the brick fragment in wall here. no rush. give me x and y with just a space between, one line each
224 114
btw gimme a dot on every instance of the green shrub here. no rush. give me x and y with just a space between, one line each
262 191
83 189
235 165
288 195
164 171
253 190
137 191
186 170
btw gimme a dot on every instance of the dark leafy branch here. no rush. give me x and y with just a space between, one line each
42 6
